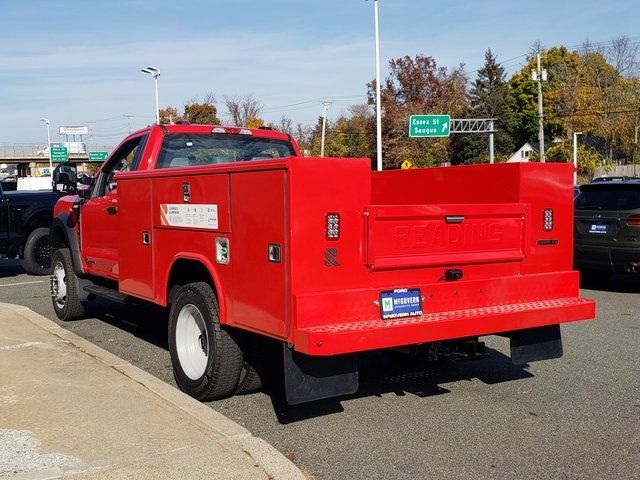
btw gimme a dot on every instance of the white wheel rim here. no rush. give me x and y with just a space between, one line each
192 342
59 285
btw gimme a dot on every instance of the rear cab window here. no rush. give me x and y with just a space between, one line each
194 149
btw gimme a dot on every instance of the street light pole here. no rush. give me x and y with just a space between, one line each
378 94
539 75
575 156
48 123
155 73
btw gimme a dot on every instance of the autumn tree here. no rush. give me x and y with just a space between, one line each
242 108
168 115
352 134
203 113
417 86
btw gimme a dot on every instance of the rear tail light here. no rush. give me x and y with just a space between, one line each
332 225
633 221
547 219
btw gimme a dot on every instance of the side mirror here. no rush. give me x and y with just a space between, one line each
65 178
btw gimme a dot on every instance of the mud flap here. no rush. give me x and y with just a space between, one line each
308 378
533 344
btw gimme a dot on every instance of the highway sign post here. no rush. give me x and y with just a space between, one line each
59 154
429 126
98 156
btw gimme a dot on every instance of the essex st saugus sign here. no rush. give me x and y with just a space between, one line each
425 126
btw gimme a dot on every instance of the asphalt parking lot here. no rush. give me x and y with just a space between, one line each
576 417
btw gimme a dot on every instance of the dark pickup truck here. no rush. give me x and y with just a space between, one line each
25 219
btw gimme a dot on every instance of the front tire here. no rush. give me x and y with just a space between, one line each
64 284
36 258
206 359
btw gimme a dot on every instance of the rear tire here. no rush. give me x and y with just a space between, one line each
206 359
36 258
64 294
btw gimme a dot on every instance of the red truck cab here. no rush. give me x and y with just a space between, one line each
240 236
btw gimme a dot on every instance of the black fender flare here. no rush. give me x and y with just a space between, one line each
64 226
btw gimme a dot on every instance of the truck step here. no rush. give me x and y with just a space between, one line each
110 294
432 327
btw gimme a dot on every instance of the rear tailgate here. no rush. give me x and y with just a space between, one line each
411 236
456 262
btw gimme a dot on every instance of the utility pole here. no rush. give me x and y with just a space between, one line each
325 104
129 117
378 95
575 156
539 76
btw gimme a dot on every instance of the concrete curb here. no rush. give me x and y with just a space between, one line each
275 464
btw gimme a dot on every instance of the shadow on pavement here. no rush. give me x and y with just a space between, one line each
382 374
147 322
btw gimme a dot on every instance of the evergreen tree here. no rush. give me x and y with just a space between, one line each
489 97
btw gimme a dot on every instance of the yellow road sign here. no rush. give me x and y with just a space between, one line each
406 165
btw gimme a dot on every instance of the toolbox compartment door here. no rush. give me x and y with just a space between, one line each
259 251
414 236
135 238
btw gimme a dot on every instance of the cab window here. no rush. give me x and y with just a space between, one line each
125 159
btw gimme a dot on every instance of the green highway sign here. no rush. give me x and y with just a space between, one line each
425 126
59 154
98 156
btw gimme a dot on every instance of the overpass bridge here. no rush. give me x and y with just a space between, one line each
28 153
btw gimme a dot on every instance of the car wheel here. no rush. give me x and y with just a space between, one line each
64 294
206 359
36 258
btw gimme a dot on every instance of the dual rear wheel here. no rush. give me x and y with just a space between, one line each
207 358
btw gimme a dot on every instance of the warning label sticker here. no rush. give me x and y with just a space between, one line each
189 215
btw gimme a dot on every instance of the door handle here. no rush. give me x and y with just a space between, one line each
112 209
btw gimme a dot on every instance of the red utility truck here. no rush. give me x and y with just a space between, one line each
240 236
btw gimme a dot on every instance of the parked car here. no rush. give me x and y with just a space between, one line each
623 178
607 229
25 219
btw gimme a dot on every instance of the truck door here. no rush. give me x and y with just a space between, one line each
259 251
99 225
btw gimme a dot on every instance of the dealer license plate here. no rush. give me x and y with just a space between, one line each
597 228
402 302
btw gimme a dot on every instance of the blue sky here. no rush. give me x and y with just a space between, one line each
78 61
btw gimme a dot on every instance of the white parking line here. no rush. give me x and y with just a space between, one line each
20 283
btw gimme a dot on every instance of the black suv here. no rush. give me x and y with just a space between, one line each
607 228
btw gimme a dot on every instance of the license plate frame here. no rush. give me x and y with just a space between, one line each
598 229
400 303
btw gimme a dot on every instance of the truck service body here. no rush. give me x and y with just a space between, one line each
320 254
